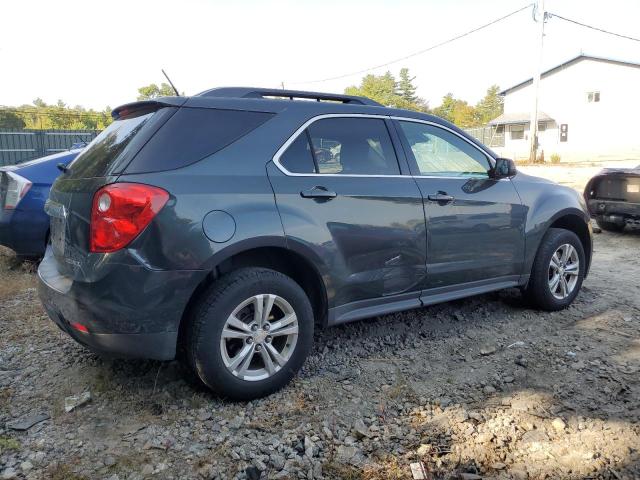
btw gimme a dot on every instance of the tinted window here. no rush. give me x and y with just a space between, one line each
192 134
353 146
107 147
297 158
440 152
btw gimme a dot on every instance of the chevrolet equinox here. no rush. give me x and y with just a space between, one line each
222 228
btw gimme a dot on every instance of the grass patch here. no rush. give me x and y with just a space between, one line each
341 471
8 443
62 471
15 275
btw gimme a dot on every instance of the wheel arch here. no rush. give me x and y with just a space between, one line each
297 263
576 221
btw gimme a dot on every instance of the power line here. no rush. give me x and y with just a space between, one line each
420 52
592 27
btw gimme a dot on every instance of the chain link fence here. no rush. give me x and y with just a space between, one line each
490 136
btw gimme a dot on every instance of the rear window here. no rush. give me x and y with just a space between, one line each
193 134
105 150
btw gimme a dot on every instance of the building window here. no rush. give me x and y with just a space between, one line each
593 97
517 132
542 126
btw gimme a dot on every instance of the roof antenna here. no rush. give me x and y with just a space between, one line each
171 83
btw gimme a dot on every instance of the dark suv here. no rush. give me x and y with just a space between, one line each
222 227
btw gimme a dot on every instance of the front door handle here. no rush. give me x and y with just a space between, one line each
318 192
441 197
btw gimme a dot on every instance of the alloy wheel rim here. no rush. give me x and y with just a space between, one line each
259 337
564 269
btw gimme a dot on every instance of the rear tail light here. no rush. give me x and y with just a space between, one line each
17 188
120 212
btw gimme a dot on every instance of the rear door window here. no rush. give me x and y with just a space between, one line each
354 146
344 145
298 157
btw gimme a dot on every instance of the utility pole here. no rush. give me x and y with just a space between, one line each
533 128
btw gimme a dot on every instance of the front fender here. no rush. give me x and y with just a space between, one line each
549 204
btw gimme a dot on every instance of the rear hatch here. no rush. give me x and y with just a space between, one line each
130 146
70 200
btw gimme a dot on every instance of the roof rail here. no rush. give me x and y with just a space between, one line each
248 92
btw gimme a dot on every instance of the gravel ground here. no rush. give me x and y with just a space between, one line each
477 388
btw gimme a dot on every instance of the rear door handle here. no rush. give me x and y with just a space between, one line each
318 192
441 197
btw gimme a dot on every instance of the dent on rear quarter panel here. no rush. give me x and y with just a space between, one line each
545 202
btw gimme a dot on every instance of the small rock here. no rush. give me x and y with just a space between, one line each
498 466
360 429
534 436
518 474
252 473
348 454
424 449
204 416
147 470
26 466
487 349
28 422
8 474
508 379
489 390
75 401
558 424
520 361
470 476
308 447
475 416
109 461
277 461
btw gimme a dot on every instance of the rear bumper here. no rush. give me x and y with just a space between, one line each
614 211
132 312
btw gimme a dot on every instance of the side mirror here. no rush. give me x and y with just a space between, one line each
505 168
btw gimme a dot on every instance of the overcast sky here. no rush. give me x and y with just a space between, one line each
98 53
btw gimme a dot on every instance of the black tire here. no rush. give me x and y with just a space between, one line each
609 226
203 349
538 291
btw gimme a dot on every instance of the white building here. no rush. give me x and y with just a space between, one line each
588 107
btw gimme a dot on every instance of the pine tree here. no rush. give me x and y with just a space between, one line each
406 89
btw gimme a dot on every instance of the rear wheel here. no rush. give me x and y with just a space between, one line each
609 226
250 334
558 270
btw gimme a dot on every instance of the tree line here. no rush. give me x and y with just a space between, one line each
60 116
385 89
401 93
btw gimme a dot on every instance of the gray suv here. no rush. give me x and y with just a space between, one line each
222 228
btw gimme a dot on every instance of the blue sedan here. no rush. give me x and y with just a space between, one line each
24 226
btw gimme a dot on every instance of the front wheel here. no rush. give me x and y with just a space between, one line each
558 270
250 333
